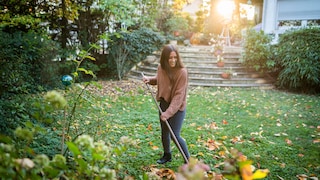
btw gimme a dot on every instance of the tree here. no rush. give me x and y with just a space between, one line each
178 5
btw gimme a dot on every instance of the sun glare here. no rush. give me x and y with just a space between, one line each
225 8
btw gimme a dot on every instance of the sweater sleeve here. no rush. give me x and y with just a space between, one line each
178 96
154 80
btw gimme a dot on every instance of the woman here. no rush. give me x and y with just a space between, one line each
172 81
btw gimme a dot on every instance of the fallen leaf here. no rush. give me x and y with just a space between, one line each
260 173
214 176
288 141
313 178
212 144
302 177
277 135
166 173
254 133
200 154
149 127
246 172
258 165
225 122
236 139
155 147
316 141
222 153
213 125
224 137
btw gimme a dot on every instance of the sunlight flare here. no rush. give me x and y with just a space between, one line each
226 8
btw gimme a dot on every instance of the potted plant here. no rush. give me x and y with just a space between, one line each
218 49
220 62
217 45
226 74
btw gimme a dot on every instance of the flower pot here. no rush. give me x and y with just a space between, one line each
220 64
225 75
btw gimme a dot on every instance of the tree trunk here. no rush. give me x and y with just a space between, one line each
64 30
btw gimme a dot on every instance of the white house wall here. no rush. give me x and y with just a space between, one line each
298 9
275 11
269 16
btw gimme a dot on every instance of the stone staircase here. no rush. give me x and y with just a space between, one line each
203 70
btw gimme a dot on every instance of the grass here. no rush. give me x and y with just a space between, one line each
279 131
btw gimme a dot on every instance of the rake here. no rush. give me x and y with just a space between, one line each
168 125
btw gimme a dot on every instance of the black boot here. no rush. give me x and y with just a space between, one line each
165 158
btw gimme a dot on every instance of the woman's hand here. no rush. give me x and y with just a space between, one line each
145 79
163 118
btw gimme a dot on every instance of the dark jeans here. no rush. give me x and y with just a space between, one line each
175 122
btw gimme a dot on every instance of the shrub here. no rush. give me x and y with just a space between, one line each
13 112
257 51
299 58
25 60
128 48
177 24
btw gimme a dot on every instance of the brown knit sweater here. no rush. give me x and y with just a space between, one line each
174 93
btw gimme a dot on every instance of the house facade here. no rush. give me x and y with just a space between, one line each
281 15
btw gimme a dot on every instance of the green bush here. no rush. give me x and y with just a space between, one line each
257 51
177 24
25 61
13 112
128 48
299 58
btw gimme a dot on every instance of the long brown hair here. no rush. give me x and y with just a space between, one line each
165 54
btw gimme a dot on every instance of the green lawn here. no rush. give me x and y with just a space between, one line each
277 130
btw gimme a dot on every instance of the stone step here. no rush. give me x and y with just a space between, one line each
198 63
203 70
212 74
200 69
264 86
203 74
203 52
220 82
186 59
191 57
232 80
213 64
